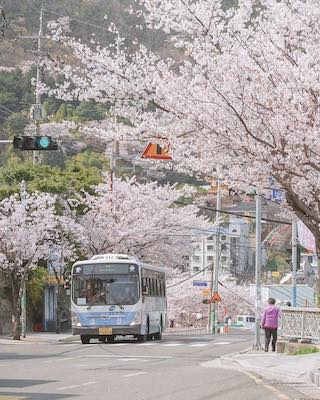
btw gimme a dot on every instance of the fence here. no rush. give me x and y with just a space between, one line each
186 331
302 323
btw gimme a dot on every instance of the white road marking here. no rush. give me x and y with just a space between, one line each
118 356
60 360
120 344
76 386
222 342
199 344
173 344
147 344
134 374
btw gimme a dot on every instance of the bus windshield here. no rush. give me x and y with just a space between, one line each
105 289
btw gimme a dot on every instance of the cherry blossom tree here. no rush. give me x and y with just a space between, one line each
185 301
139 219
28 228
240 97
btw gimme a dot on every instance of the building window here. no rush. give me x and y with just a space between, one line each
223 237
196 258
210 247
224 258
210 258
196 269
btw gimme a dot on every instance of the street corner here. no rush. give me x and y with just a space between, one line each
69 339
226 361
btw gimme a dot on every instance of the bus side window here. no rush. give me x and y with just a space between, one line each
144 287
161 288
154 287
150 291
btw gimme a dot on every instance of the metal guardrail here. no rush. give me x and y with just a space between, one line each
301 323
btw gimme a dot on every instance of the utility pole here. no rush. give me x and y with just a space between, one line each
215 270
23 194
294 263
37 110
257 342
113 156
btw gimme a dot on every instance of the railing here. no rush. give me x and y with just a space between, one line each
186 331
301 323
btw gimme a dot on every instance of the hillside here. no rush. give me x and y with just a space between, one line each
88 18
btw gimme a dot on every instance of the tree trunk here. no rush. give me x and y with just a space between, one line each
15 302
58 321
16 319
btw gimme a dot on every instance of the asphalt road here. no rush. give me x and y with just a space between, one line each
172 369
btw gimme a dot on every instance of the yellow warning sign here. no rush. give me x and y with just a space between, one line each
206 292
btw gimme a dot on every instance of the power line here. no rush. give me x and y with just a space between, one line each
287 289
77 19
237 214
187 279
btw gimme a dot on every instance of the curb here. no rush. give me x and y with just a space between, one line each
228 360
315 377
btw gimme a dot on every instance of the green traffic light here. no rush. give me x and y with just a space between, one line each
44 142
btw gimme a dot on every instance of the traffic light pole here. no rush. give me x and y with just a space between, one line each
294 263
23 192
215 270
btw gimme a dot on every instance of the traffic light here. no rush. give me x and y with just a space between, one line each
34 143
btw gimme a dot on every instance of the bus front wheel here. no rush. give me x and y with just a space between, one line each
110 339
142 338
85 339
158 335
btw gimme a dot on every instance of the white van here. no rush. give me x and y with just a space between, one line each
247 321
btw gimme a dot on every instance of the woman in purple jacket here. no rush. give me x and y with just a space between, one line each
269 323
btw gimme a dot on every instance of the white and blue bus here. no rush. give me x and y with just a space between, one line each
117 295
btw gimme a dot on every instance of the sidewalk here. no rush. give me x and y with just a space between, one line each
301 370
41 337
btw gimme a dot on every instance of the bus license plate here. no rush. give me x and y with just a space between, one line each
105 331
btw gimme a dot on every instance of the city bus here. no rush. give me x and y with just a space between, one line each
117 295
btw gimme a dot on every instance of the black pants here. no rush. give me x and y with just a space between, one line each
268 333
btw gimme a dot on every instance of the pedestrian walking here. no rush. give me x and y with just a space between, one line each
269 323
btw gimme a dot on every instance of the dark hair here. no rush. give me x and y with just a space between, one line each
271 300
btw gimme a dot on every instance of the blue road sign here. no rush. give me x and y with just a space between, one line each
199 283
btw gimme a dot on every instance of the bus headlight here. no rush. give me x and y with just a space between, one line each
75 319
137 320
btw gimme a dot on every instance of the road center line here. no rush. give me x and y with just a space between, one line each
134 374
76 386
